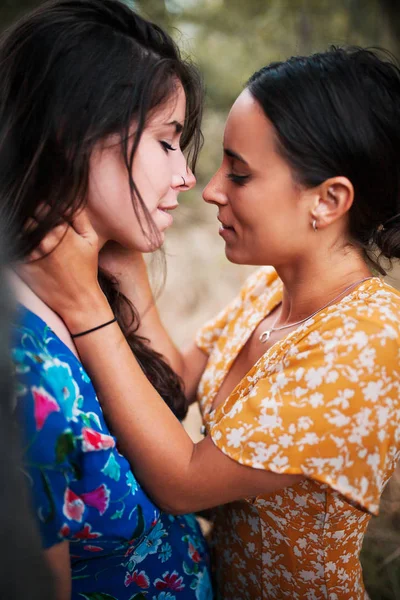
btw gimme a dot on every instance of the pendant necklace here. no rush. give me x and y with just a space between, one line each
265 335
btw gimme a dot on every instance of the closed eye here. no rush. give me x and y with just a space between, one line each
238 179
167 147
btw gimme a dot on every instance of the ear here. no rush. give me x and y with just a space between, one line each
332 200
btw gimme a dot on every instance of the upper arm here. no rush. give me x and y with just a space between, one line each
58 560
195 361
327 410
219 479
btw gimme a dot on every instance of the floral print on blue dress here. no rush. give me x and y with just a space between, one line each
83 491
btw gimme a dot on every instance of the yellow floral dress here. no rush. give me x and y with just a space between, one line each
323 402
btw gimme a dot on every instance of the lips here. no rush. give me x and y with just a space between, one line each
169 207
225 225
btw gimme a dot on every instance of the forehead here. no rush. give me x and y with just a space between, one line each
247 128
173 109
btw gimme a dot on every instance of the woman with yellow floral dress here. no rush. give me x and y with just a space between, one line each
323 402
298 378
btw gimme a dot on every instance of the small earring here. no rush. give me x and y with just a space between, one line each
314 225
184 182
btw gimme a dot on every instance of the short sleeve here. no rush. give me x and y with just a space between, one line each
52 445
328 408
210 332
208 335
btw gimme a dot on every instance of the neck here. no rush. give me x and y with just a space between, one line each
312 283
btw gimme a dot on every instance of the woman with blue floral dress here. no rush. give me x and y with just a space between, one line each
96 116
121 545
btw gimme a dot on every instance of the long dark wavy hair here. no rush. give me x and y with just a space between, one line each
73 72
338 113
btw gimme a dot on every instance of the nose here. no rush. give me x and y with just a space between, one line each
189 178
185 179
213 192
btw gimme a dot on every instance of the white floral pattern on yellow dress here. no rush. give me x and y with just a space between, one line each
323 402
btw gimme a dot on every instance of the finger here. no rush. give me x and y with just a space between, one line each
42 211
49 243
30 225
33 257
82 225
53 239
81 222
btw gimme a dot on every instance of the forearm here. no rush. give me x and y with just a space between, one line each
134 284
149 435
179 475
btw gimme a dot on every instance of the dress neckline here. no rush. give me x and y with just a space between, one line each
21 308
209 413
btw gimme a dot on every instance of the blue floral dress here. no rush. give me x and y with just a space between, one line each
122 547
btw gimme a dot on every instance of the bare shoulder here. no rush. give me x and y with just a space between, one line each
32 302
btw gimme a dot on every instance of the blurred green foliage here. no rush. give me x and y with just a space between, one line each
229 40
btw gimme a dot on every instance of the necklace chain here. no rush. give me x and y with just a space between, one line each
265 335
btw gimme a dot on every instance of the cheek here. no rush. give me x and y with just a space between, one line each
250 213
109 200
109 195
151 173
273 208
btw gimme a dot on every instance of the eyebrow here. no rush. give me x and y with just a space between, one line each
178 126
234 155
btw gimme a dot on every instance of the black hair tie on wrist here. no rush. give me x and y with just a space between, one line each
75 335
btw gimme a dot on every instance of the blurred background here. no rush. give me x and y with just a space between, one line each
229 40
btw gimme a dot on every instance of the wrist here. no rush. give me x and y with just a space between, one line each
93 329
92 311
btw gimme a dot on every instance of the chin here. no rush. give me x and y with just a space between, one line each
143 244
239 258
149 246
